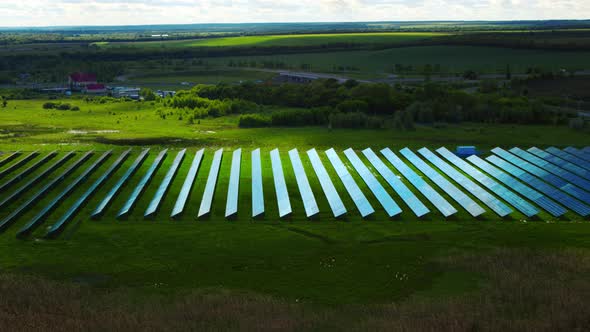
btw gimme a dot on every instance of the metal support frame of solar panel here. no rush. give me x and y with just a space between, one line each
460 197
57 227
544 175
9 158
233 189
477 191
552 168
154 204
357 196
569 157
578 153
400 188
22 189
28 171
513 199
283 202
554 193
334 200
39 217
388 204
309 202
441 204
104 203
18 164
580 171
531 194
207 200
140 187
257 188
187 186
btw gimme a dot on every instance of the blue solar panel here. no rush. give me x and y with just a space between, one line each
432 195
563 173
556 194
130 203
57 227
391 208
569 157
39 217
560 162
207 199
465 201
41 192
400 188
283 201
338 208
27 171
115 189
538 198
309 202
488 199
578 153
9 158
187 185
586 149
233 190
510 197
353 189
257 188
544 175
18 164
164 185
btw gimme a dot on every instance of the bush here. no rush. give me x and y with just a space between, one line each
254 121
305 117
75 108
349 120
49 105
64 107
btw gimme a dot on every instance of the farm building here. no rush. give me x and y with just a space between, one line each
125 92
95 89
79 81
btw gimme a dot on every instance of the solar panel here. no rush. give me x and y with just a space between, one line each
432 195
510 197
283 201
578 153
100 208
400 188
27 171
465 201
60 223
39 217
352 188
18 164
187 185
569 157
130 203
41 192
9 158
560 162
492 202
257 189
164 185
556 194
586 149
233 191
330 191
36 179
309 202
544 175
562 173
207 199
391 208
538 198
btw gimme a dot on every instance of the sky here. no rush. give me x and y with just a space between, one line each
131 12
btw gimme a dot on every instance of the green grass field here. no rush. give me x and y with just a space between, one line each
323 274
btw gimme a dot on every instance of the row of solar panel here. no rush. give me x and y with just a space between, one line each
547 179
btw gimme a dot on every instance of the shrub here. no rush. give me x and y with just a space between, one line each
49 105
75 108
254 121
64 107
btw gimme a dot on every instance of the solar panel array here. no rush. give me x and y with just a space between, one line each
528 181
578 153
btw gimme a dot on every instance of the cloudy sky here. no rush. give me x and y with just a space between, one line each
128 12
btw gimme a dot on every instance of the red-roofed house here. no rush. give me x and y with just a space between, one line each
95 88
79 81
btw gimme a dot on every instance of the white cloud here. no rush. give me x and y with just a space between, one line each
119 12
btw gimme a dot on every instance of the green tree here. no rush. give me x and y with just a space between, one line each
147 94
